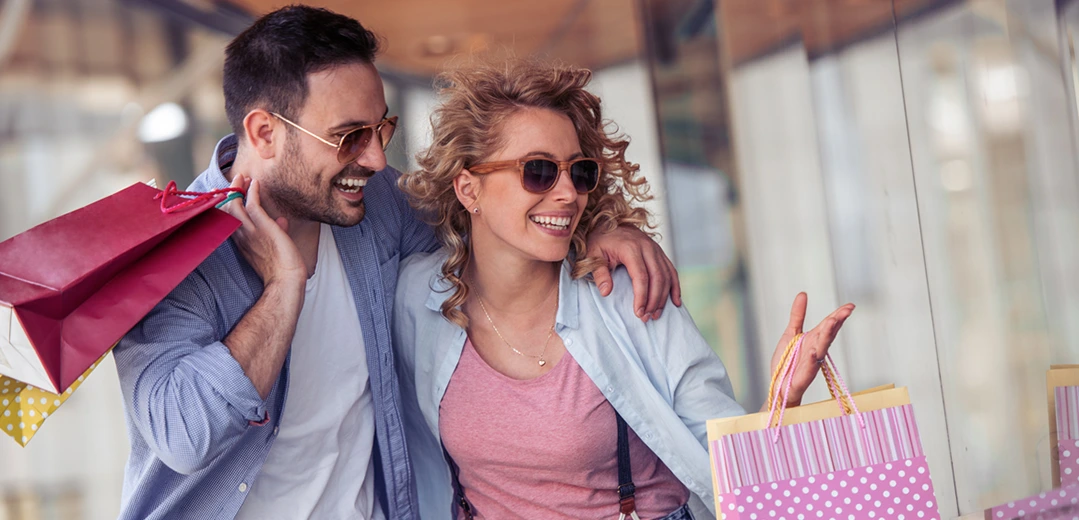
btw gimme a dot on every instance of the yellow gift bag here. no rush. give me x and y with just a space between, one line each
23 407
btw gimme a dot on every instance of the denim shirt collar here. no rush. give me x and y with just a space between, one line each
220 162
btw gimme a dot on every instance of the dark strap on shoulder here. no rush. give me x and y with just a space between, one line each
458 491
626 489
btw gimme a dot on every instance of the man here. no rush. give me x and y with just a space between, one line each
264 385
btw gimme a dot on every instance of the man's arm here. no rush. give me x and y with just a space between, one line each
652 273
261 341
188 393
184 392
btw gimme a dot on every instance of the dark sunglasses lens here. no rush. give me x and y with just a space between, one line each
354 143
540 175
585 175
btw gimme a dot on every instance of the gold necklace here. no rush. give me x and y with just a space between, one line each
541 361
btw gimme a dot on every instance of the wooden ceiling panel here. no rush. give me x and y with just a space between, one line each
752 28
422 36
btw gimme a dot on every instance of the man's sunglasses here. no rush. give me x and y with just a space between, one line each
539 175
355 141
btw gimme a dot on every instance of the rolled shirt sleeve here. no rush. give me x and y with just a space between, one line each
184 392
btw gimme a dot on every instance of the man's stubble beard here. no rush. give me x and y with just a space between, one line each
286 184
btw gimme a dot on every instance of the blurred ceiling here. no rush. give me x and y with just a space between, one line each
422 36
756 27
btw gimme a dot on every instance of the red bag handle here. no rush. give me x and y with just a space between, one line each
197 197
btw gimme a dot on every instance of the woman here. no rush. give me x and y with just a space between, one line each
520 369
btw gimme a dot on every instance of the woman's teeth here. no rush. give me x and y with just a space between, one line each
556 223
350 185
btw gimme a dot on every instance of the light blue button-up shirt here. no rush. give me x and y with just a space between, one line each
199 430
661 376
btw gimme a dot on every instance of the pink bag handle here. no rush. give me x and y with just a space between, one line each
784 376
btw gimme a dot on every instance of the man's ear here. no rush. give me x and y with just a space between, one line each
261 128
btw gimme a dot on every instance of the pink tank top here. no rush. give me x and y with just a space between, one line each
544 447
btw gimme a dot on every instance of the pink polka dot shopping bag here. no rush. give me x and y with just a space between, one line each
855 457
1058 504
1063 393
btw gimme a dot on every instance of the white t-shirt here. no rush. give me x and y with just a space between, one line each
320 465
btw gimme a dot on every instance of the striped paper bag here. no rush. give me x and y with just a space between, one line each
859 460
1062 382
1067 445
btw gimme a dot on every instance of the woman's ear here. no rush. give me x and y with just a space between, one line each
467 187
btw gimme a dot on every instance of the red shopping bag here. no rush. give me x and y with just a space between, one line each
72 287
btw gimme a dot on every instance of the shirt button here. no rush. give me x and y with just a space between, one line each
610 389
568 342
275 429
243 487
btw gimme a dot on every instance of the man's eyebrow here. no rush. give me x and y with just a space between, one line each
348 125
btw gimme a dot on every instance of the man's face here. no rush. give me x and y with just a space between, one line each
308 182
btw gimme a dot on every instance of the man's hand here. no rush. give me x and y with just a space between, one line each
263 241
654 276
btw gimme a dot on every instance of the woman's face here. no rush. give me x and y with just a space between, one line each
536 226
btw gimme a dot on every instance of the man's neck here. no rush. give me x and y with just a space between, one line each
304 233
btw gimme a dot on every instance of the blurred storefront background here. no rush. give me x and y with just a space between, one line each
917 157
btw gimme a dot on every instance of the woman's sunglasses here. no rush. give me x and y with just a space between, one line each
539 175
355 141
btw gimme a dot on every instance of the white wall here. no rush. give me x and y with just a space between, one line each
929 176
830 209
628 101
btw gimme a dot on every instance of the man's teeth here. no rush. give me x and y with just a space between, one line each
559 223
350 185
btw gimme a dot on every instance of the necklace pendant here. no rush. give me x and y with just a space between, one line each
542 362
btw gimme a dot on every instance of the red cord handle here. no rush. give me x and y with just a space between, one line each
196 197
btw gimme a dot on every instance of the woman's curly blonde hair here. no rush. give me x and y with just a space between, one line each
477 99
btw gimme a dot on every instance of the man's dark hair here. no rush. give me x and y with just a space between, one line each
267 65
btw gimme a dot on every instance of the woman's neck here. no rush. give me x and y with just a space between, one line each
513 285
